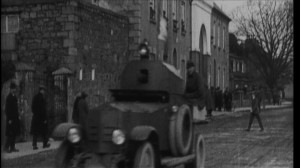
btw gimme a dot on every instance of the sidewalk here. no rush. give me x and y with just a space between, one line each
244 109
25 149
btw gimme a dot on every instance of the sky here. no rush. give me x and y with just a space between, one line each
228 6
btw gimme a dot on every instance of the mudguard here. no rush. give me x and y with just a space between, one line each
62 129
141 133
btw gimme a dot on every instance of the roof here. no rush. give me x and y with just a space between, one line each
23 2
220 11
62 71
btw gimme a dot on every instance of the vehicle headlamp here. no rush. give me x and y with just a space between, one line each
143 51
118 137
74 135
174 109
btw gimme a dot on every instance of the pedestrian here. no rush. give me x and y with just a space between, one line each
12 119
23 107
219 99
212 91
208 102
80 110
39 123
255 110
227 100
194 91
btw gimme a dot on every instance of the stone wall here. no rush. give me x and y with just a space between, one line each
101 40
74 35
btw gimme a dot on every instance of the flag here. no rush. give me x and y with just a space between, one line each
163 32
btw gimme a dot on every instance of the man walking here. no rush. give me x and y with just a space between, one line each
39 119
255 112
12 119
194 90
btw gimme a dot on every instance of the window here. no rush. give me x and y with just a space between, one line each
224 79
234 67
219 77
174 15
219 35
223 38
183 29
215 33
175 63
152 10
93 74
242 68
80 74
9 28
174 9
165 8
237 66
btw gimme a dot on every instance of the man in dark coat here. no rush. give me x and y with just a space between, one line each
208 102
255 111
219 98
39 121
81 110
194 90
12 119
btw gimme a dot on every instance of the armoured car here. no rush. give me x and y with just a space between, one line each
148 124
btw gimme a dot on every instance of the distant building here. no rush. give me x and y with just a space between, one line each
201 41
218 63
145 23
237 72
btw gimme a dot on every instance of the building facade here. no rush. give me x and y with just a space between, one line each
201 41
237 72
67 45
145 18
218 65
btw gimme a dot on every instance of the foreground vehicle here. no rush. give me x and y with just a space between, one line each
148 125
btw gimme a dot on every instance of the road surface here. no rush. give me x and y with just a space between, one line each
227 144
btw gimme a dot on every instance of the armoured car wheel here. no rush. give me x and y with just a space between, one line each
181 131
200 152
145 156
172 135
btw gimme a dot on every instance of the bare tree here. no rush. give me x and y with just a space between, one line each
268 27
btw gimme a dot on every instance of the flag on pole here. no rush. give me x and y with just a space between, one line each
163 32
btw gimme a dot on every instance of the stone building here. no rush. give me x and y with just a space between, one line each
144 23
201 41
218 63
237 72
67 45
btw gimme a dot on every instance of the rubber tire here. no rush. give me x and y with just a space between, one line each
184 147
200 152
177 145
141 153
172 136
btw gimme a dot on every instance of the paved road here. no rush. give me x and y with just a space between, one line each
227 144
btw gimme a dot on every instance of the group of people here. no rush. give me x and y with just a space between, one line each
200 96
15 109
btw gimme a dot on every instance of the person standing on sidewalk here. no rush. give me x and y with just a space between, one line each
81 110
208 102
255 112
39 125
12 119
23 107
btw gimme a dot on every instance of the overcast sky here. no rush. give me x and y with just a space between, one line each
228 6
